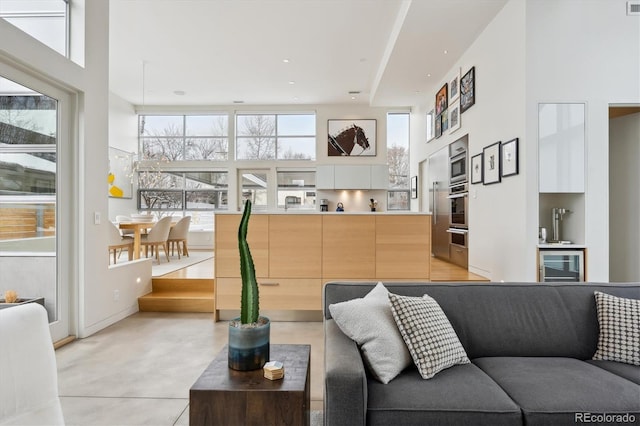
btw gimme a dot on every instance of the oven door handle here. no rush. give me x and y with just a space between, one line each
462 194
458 231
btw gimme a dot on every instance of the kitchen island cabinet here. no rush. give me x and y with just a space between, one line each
295 254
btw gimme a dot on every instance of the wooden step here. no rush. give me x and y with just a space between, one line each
168 301
179 295
161 285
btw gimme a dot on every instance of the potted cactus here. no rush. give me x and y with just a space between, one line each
248 334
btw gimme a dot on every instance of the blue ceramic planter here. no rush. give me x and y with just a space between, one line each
248 344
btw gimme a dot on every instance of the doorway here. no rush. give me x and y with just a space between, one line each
624 194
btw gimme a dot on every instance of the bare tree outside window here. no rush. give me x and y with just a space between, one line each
167 144
398 159
256 137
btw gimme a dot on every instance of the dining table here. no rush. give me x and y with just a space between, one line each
138 227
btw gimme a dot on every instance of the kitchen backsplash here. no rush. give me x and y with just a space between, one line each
353 200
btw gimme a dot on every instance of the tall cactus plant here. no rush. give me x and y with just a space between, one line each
249 302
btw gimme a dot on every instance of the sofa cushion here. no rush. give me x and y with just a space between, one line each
553 390
460 395
628 371
369 322
619 320
431 340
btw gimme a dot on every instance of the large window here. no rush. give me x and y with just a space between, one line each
276 137
164 191
184 137
398 159
44 20
297 189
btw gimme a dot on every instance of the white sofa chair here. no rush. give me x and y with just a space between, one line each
28 372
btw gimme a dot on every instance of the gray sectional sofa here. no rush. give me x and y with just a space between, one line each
530 346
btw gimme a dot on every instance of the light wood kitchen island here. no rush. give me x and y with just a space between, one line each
296 253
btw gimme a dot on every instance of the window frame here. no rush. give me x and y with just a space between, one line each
276 135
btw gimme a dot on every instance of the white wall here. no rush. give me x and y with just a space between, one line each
497 212
624 198
581 51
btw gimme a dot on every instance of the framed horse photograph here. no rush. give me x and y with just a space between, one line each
355 138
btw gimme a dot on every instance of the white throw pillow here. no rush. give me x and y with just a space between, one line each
432 341
369 322
619 320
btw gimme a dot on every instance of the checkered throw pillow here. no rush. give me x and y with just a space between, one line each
619 320
432 342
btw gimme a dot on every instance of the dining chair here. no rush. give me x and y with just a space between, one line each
156 237
178 234
118 242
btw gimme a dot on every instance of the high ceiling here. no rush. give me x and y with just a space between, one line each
217 52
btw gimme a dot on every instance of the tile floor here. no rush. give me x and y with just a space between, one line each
139 370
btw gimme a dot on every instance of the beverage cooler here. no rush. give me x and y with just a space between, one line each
561 266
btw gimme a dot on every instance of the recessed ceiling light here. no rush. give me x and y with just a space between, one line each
353 97
292 82
446 51
179 92
285 60
428 75
295 98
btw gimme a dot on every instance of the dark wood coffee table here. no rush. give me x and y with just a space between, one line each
222 396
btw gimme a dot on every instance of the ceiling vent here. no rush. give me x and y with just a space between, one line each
633 7
354 92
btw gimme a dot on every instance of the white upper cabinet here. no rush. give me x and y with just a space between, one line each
379 176
352 177
369 176
561 147
325 177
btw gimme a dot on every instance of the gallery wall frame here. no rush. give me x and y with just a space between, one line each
355 138
477 168
468 90
438 126
509 158
491 164
442 99
454 116
454 86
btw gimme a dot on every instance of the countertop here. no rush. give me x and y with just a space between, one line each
561 246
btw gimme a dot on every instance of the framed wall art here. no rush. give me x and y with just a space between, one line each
120 173
509 158
442 100
414 186
438 126
445 120
476 168
355 138
468 90
454 87
491 164
454 116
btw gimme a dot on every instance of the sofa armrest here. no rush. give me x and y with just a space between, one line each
345 381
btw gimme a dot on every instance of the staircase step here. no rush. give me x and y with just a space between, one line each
171 301
161 285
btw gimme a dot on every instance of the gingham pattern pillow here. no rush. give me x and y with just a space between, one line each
619 320
432 342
